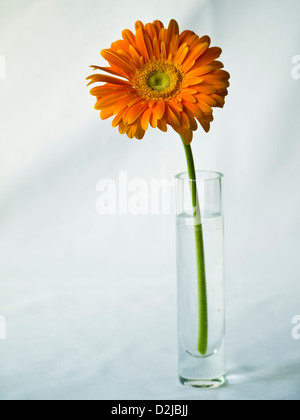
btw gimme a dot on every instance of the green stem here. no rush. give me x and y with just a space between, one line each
202 291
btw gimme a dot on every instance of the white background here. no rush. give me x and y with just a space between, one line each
90 300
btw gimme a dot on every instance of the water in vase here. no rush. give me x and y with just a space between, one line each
194 368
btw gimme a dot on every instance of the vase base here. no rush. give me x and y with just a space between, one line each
203 383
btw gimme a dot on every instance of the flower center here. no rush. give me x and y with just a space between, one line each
158 80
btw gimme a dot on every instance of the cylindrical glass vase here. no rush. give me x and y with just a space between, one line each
200 303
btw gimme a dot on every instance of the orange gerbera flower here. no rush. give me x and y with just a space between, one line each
160 77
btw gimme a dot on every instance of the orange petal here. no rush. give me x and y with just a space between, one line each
133 112
205 38
171 118
145 118
174 45
140 132
128 37
163 50
149 46
193 122
108 70
217 74
123 128
201 70
173 30
176 107
163 35
106 113
219 99
156 48
131 131
151 31
218 84
210 55
119 45
193 55
205 125
158 25
162 125
205 108
108 100
187 136
139 25
207 99
205 88
134 130
126 56
159 109
190 91
123 103
134 100
181 54
113 57
104 90
185 122
194 109
198 72
134 54
186 36
140 42
217 64
191 81
153 121
118 119
107 79
187 96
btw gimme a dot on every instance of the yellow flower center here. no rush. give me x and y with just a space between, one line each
158 80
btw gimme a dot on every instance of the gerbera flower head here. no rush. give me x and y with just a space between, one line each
161 77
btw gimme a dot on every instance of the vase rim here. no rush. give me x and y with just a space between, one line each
203 176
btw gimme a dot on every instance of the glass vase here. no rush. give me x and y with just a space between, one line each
200 303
